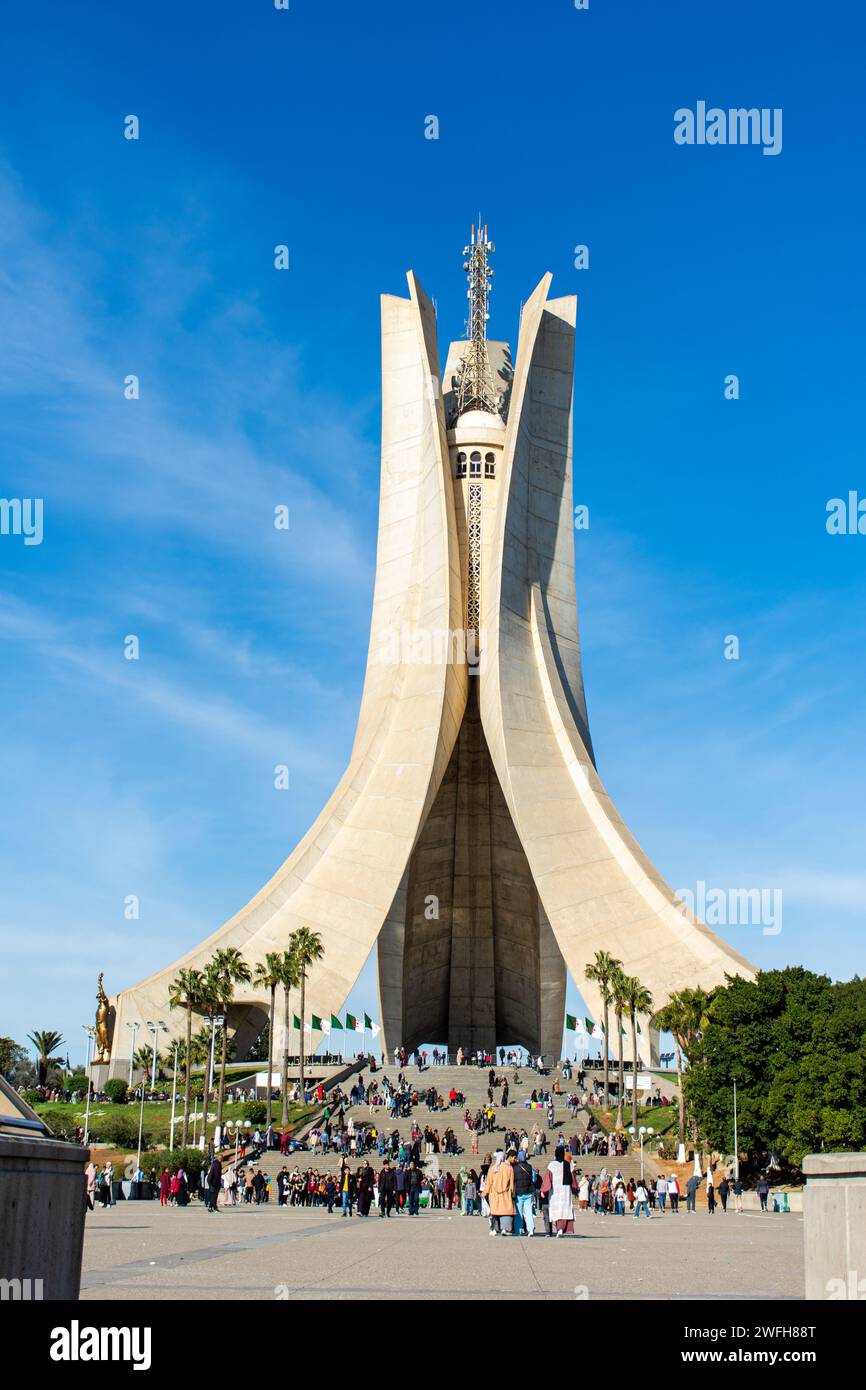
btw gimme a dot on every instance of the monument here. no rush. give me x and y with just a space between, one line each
470 837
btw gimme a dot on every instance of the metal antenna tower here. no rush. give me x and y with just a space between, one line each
475 389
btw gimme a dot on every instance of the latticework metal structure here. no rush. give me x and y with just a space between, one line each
475 389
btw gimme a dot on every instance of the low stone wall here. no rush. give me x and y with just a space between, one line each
834 1211
43 1187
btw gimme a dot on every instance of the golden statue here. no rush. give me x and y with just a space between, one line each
102 1050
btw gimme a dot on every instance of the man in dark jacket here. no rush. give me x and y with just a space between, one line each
214 1183
387 1189
524 1186
413 1183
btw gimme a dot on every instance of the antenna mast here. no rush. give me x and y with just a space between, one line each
475 389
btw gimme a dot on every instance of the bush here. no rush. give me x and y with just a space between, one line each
32 1097
117 1091
117 1129
256 1112
190 1160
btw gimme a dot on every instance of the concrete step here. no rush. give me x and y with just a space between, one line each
472 1083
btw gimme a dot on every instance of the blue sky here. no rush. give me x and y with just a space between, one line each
258 387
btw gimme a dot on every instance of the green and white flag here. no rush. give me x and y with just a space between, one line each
335 1022
296 1021
595 1030
316 1024
368 1022
352 1023
571 1023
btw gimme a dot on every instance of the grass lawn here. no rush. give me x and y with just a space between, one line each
61 1117
663 1118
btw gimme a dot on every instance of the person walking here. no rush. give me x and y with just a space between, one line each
387 1189
692 1186
558 1187
414 1189
724 1189
214 1183
499 1190
641 1201
524 1187
164 1187
763 1190
738 1196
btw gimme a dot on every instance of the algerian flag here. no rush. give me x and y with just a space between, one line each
570 1022
368 1022
297 1021
595 1030
352 1024
375 1029
578 1027
316 1024
335 1022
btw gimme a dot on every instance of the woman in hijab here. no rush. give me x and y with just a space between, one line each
557 1186
90 1180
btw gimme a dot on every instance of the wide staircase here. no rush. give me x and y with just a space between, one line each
471 1083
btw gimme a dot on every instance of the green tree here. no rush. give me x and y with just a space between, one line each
307 948
46 1044
290 978
602 970
638 1000
267 973
795 1044
618 997
231 970
685 1016
186 991
11 1053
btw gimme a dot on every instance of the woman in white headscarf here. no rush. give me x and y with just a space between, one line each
558 1187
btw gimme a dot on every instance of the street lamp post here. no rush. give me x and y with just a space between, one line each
174 1095
155 1028
91 1034
736 1139
644 1129
135 1027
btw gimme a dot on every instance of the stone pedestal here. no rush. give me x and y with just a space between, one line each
100 1072
42 1219
834 1210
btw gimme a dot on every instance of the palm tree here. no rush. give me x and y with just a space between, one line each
638 1001
211 1003
143 1060
267 973
602 970
307 948
684 1016
186 992
231 969
617 988
46 1044
290 978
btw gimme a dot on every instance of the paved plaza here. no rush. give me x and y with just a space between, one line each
142 1251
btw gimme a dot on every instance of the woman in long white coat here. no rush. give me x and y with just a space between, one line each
558 1185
